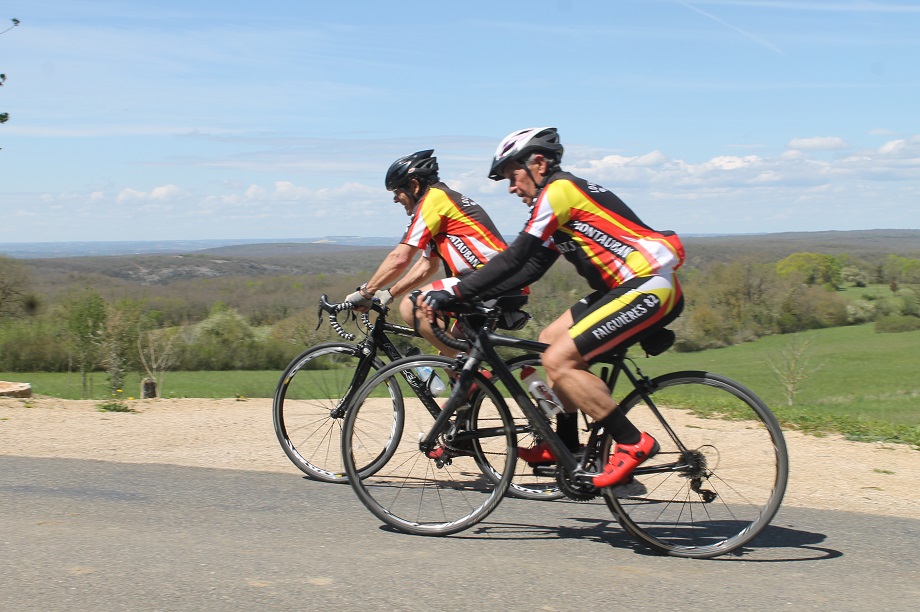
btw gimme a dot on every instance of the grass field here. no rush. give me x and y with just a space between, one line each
866 385
243 383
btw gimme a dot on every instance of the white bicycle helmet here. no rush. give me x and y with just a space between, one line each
516 146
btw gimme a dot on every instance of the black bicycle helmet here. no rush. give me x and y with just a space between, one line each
516 146
419 165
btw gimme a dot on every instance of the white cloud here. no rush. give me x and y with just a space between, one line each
725 193
818 143
254 192
909 147
161 193
165 192
130 195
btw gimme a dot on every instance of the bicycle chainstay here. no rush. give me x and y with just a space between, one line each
696 471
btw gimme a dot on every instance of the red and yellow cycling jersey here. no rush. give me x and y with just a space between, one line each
599 234
456 228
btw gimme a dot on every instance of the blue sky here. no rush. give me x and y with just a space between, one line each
216 120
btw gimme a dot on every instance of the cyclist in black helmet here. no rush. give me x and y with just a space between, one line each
443 223
629 266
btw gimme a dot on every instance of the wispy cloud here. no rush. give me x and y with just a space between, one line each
757 39
856 6
819 143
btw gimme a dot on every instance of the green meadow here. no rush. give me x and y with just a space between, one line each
863 384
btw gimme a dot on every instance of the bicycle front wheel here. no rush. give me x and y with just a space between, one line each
310 403
722 488
441 491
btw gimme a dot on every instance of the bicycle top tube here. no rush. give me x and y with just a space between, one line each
401 330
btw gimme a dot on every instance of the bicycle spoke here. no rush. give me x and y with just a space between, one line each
411 491
727 486
308 408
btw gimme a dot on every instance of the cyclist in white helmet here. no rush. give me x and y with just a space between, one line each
628 265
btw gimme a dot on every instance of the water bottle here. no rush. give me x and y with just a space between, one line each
436 386
541 392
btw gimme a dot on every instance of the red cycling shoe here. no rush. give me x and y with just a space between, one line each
625 459
538 453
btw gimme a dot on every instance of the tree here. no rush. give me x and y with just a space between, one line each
901 270
793 366
14 281
223 341
812 268
86 317
852 274
4 117
157 353
121 329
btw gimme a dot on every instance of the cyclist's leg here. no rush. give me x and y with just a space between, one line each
574 382
567 421
408 311
602 322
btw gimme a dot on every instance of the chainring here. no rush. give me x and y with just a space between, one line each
573 490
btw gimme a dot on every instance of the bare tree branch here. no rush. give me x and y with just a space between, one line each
793 366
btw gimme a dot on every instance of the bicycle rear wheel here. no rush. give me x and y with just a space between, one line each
415 493
719 493
308 407
526 482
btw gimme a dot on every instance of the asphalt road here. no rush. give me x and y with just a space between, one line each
92 535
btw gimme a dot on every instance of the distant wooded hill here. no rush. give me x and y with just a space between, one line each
861 244
245 260
45 250
293 258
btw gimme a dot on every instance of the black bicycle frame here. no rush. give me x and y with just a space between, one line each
375 340
482 349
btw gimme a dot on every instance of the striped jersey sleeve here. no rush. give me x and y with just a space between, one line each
456 228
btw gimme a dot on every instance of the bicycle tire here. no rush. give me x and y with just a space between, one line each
412 492
734 472
307 411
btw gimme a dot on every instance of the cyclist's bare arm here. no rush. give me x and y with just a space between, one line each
424 268
392 267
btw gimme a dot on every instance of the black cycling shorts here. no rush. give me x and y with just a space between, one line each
606 319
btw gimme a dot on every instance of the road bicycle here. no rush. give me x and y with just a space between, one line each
715 484
313 393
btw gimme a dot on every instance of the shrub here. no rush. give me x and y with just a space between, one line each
894 324
860 311
32 345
